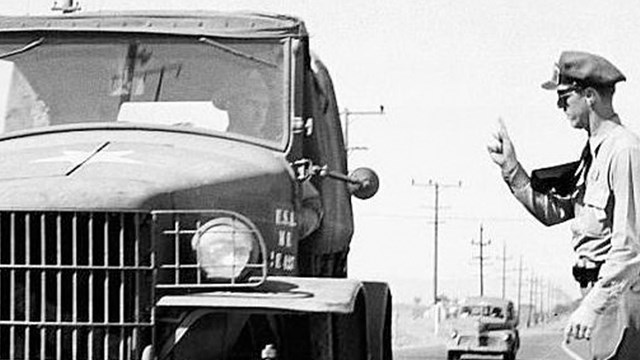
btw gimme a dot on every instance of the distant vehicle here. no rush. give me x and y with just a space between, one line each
486 326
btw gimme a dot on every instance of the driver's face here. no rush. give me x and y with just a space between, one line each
248 115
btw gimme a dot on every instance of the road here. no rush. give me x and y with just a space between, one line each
535 345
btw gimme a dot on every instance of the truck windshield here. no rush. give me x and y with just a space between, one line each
200 84
481 310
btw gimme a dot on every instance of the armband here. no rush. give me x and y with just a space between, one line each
560 179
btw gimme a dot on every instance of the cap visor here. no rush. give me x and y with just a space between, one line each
552 85
549 85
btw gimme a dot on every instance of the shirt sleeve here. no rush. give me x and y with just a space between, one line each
549 209
622 265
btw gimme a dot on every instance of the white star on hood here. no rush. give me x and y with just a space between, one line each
77 157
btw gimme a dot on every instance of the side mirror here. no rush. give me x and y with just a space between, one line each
363 183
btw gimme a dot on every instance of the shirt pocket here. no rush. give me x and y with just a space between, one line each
596 196
593 217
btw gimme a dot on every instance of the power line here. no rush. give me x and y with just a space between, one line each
454 218
481 258
519 287
346 114
436 185
504 259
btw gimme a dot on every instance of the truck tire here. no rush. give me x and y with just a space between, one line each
350 340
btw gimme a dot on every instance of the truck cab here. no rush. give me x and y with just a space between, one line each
174 185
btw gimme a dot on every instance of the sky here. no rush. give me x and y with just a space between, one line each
445 71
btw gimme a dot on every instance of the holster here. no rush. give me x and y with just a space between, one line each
586 275
560 179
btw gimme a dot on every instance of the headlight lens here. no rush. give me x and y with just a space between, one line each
223 247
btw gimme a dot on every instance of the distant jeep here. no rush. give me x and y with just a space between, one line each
486 326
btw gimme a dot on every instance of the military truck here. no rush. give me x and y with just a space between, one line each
174 185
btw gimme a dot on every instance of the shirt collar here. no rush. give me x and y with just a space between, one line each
604 131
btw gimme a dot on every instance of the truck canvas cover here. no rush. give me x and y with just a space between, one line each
202 23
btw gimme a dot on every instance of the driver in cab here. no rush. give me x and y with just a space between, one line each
247 105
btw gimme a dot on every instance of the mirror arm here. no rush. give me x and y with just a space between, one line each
362 182
306 169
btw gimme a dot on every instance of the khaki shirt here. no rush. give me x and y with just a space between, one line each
605 207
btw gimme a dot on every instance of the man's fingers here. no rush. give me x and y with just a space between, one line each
494 146
501 133
502 128
568 332
496 135
577 331
584 332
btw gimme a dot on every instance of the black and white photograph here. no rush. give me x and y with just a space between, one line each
320 180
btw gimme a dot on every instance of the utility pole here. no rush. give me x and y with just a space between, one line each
531 303
519 286
504 259
481 244
541 297
504 268
437 186
550 300
347 121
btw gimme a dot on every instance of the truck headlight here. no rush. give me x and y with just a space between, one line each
223 247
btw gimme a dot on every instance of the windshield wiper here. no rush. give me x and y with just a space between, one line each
233 51
23 49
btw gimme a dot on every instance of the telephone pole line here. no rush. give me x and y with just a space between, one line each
550 300
541 287
532 305
519 287
437 186
504 259
481 244
347 121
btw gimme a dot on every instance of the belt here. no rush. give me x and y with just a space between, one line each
586 272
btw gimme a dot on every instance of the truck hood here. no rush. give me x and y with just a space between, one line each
136 169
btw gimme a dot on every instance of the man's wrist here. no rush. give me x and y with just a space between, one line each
509 169
515 176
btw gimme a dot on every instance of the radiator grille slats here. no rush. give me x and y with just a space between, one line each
82 285
75 285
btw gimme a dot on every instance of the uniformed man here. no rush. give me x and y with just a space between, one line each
246 100
602 197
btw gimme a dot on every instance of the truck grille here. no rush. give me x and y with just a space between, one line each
75 285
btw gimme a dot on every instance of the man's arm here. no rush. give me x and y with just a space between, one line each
547 208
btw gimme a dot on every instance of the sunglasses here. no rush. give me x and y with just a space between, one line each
564 95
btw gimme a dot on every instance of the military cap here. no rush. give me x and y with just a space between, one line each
577 68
